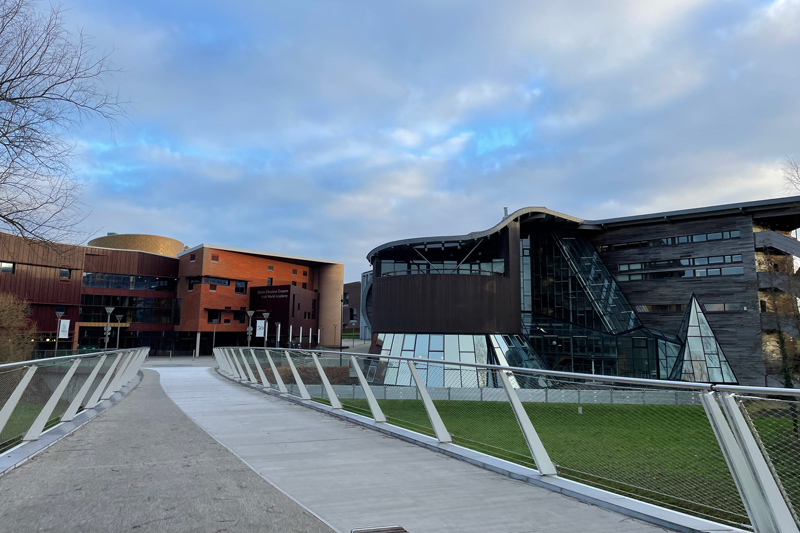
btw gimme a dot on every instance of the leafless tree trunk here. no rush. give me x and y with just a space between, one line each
50 81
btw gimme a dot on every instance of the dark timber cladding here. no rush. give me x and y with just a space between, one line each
609 295
425 304
738 332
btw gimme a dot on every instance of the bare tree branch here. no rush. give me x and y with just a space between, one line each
791 174
50 82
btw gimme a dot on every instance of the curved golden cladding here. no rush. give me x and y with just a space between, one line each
145 243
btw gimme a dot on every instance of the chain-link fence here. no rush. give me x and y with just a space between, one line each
775 425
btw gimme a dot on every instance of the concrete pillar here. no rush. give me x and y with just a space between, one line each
197 345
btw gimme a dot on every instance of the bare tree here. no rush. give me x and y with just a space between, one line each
50 82
791 174
16 331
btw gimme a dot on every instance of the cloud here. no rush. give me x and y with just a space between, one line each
326 129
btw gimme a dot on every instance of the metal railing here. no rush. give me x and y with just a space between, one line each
725 453
38 394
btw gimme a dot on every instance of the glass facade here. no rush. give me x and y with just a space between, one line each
574 316
99 280
133 309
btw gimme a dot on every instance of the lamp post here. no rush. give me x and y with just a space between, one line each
249 327
59 314
119 321
109 310
214 335
265 314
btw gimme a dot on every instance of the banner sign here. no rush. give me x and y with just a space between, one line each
63 329
260 328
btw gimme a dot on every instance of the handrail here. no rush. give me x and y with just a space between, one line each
570 375
62 358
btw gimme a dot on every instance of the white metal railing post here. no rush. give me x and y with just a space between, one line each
543 463
261 375
72 410
436 421
377 413
278 379
133 367
222 361
744 478
13 400
115 384
299 382
335 403
44 415
229 362
95 397
239 369
778 509
250 374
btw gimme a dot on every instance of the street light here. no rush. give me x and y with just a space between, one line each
109 310
266 326
249 327
119 320
214 335
59 314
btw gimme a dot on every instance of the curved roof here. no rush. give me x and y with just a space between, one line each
525 213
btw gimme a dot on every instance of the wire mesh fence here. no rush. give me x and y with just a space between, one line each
774 423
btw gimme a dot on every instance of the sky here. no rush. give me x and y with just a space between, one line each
326 128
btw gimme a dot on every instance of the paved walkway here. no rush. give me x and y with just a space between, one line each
353 477
144 466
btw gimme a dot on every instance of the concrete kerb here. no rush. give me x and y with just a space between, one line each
18 455
646 512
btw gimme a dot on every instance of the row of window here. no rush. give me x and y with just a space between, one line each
215 316
270 268
689 261
9 268
240 287
697 273
495 267
670 241
100 280
680 308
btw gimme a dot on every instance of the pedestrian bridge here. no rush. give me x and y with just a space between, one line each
289 440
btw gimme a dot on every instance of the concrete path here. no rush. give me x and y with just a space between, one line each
353 477
144 466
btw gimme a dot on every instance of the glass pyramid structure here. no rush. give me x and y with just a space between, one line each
700 358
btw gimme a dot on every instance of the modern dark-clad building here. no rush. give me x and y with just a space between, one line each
699 294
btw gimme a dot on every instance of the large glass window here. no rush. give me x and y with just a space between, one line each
241 287
133 309
6 268
100 280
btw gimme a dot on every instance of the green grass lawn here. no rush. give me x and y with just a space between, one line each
21 419
664 454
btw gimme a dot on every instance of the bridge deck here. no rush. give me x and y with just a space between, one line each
354 477
143 465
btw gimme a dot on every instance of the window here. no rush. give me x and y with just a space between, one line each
294 284
294 272
192 282
346 298
214 316
192 258
215 258
269 282
353 311
240 316
305 273
218 281
305 285
7 268
241 287
64 273
270 268
212 287
762 305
